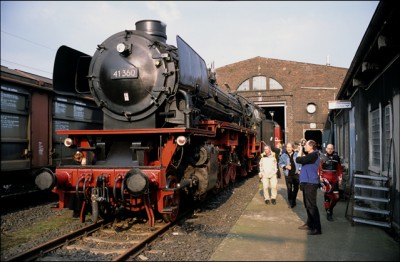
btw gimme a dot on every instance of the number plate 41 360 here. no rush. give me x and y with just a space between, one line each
124 73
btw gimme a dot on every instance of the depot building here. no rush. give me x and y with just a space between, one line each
296 95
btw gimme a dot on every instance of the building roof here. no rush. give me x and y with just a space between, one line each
379 48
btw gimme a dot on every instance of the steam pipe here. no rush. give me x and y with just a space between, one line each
77 187
115 188
188 107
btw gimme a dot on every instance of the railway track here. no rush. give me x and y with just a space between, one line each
195 234
107 241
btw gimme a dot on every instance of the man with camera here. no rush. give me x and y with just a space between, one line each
309 184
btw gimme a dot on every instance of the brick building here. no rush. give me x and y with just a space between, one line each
297 93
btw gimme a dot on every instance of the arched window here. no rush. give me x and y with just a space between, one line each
245 86
274 85
258 83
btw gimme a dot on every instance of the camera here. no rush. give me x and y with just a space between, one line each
303 142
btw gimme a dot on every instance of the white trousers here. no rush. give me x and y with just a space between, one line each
272 183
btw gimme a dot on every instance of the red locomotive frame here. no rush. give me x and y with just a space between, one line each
163 193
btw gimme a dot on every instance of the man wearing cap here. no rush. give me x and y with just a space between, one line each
330 170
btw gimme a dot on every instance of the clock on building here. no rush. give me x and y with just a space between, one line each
311 108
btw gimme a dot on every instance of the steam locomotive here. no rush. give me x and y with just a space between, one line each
169 131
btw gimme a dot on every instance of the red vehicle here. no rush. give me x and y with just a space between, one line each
278 134
169 132
30 112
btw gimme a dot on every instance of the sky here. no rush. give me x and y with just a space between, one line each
221 32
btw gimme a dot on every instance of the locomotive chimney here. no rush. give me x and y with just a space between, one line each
153 27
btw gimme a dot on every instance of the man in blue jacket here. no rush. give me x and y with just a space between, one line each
291 170
309 184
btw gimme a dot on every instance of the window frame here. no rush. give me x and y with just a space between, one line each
375 138
387 137
251 84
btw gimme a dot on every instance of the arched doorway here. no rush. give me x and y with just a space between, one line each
278 110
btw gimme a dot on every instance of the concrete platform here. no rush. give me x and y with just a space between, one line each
270 233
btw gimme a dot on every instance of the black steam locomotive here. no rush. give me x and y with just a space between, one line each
169 131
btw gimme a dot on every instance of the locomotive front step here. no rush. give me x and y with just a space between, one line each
170 209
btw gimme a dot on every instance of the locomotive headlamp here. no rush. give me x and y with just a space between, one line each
157 63
181 140
68 142
124 49
78 156
121 47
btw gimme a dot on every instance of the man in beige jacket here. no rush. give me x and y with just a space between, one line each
268 169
